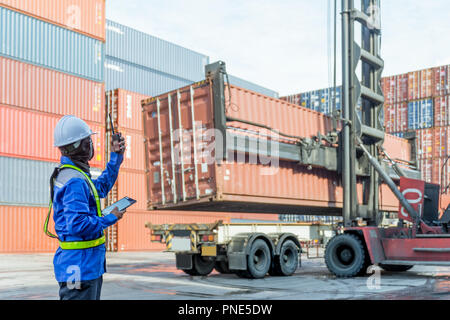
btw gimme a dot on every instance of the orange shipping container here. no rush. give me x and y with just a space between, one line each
133 185
32 87
134 236
29 135
125 107
134 157
21 230
242 186
83 16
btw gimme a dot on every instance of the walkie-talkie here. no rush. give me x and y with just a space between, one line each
115 136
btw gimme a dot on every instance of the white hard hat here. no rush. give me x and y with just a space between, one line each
70 129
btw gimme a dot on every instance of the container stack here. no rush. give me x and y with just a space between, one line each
138 62
415 101
51 65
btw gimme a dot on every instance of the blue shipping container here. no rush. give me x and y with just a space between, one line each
139 48
36 42
252 86
131 77
321 100
420 114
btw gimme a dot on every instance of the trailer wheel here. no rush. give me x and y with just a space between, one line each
345 256
287 262
201 266
222 267
395 268
259 259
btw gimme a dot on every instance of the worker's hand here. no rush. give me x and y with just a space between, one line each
117 213
118 144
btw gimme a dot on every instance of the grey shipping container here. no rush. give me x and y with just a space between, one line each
252 86
132 77
37 42
26 182
142 49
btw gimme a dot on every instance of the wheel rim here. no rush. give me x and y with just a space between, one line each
288 258
344 256
259 259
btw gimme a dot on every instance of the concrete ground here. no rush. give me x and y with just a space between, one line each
152 275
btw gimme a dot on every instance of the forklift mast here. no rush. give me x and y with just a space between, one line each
363 129
366 124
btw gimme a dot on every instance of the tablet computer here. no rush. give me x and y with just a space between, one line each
122 204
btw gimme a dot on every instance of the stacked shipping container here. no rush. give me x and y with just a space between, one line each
415 101
51 64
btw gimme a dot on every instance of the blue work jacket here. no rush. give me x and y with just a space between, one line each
76 219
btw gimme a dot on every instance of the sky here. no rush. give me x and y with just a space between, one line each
285 45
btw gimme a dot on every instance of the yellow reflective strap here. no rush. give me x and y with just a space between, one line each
48 233
74 245
91 184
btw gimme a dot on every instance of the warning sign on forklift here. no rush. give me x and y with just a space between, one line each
413 190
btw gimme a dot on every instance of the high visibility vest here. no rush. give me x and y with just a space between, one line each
76 245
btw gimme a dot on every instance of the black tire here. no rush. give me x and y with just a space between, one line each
222 267
259 259
395 268
287 262
201 266
190 272
345 256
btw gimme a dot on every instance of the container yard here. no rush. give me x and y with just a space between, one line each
237 191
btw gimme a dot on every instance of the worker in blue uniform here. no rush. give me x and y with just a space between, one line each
79 262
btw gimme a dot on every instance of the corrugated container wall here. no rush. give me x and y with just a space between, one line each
442 81
25 182
131 77
21 230
161 56
29 134
32 87
239 82
37 42
442 111
126 106
83 16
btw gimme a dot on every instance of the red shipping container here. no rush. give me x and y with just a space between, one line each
125 107
244 186
401 88
83 16
441 81
388 86
400 117
441 173
36 88
29 134
426 83
426 168
414 85
442 111
421 84
425 143
441 142
389 118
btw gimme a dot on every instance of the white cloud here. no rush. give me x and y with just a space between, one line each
282 44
